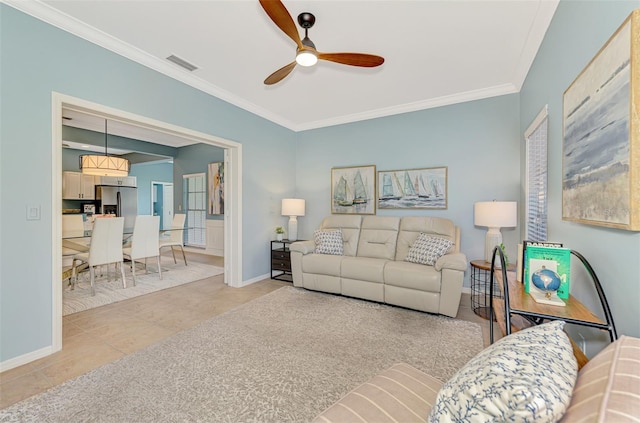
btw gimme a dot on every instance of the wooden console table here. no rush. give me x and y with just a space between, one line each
517 309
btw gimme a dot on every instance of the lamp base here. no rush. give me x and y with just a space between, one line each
293 228
491 240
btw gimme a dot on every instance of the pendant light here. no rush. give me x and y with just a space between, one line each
95 164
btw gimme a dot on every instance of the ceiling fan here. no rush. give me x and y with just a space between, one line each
306 53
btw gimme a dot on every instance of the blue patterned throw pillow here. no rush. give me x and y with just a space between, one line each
427 249
527 376
328 242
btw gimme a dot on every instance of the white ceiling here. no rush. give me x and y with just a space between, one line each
436 52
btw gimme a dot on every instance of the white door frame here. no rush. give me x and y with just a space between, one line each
233 192
164 203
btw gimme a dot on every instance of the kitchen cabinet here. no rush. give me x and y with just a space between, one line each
77 186
122 181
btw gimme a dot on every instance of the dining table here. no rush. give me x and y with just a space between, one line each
77 239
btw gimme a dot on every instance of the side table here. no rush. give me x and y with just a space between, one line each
480 280
281 260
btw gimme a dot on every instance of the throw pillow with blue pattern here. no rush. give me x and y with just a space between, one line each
525 377
427 249
328 242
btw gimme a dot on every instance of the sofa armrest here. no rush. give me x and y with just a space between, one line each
452 261
304 247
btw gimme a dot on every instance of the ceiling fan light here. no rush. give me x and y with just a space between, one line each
306 58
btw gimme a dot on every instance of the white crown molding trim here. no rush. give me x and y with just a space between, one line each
537 32
76 27
67 23
463 97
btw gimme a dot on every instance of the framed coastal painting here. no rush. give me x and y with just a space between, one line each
601 135
413 188
353 190
216 188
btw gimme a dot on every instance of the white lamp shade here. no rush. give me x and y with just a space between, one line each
92 164
293 207
495 214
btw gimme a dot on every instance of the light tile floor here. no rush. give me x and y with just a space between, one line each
98 336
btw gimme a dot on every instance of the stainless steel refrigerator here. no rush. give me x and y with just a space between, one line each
121 201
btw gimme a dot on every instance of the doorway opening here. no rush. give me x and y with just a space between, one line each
233 194
162 202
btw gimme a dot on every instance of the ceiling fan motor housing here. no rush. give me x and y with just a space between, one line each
306 20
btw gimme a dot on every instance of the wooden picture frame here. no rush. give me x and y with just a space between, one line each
353 190
413 188
601 135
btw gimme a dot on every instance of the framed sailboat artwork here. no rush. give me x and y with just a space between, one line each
413 188
353 190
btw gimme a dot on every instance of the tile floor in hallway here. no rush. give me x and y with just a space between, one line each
95 337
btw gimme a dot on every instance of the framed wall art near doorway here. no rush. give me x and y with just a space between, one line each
353 190
601 135
216 188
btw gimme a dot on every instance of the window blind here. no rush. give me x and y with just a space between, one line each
536 178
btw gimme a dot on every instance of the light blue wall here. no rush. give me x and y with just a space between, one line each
38 59
576 34
193 159
478 141
146 173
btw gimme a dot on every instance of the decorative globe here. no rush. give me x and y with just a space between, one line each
546 280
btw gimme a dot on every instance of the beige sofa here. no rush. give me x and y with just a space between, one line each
606 389
373 265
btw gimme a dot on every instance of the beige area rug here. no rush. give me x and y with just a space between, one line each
283 357
109 289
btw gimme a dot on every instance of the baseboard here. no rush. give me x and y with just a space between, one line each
254 280
26 358
466 290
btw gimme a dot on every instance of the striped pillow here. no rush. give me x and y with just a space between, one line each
608 386
401 393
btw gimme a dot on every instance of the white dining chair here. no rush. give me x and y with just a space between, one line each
145 242
72 223
176 236
105 248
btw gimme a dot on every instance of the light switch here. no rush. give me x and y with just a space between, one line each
33 212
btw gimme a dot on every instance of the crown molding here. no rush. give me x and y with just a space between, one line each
67 23
76 27
413 107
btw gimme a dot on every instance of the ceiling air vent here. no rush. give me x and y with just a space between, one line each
182 63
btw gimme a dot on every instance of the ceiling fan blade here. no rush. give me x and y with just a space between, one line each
353 59
281 17
280 74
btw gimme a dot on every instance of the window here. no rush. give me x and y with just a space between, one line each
536 178
195 192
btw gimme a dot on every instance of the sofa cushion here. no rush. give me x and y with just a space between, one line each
412 226
322 264
328 242
350 227
363 269
413 276
378 237
428 249
401 393
527 376
608 386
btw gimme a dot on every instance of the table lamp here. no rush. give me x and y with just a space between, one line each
494 215
293 207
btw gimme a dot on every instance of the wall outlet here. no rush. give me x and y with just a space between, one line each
33 212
